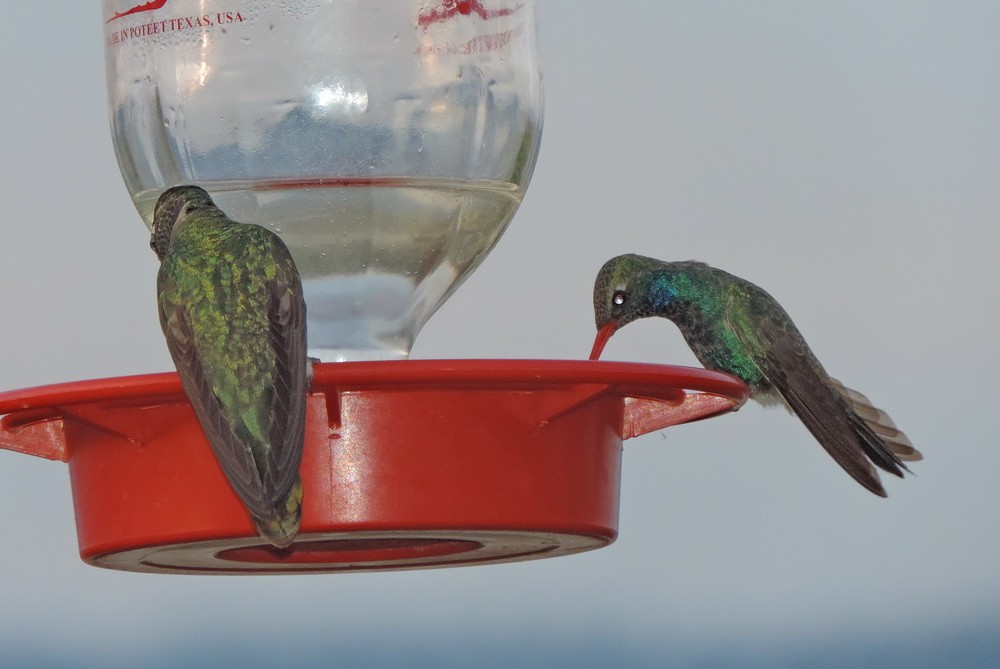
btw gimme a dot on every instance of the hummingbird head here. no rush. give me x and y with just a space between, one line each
627 288
171 209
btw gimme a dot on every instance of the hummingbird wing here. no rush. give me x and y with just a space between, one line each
261 477
287 412
235 458
790 367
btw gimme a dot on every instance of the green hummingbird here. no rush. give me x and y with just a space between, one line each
736 327
232 311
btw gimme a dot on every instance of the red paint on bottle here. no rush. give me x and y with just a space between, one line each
151 6
450 8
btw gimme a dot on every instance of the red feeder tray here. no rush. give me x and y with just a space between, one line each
407 464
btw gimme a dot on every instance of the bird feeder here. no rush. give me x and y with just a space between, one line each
407 464
389 144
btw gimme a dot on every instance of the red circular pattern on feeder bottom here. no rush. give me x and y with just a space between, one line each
407 464
350 551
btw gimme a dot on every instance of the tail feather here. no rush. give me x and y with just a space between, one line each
880 423
281 528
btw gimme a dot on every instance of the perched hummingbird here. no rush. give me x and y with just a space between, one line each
232 311
736 327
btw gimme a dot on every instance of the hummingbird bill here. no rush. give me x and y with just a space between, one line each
232 311
736 327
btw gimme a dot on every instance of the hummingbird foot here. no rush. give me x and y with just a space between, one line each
310 363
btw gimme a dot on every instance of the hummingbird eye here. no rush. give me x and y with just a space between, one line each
619 297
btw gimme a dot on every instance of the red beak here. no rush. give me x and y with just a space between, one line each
603 335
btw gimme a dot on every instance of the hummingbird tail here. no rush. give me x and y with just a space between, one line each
281 528
880 423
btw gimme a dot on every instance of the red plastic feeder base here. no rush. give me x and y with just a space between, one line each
407 464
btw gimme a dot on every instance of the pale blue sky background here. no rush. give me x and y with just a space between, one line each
844 155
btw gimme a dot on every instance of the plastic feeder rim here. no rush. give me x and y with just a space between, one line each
407 464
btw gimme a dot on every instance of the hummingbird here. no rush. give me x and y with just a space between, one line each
736 327
232 311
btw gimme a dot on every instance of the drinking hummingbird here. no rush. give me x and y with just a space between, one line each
232 310
736 327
